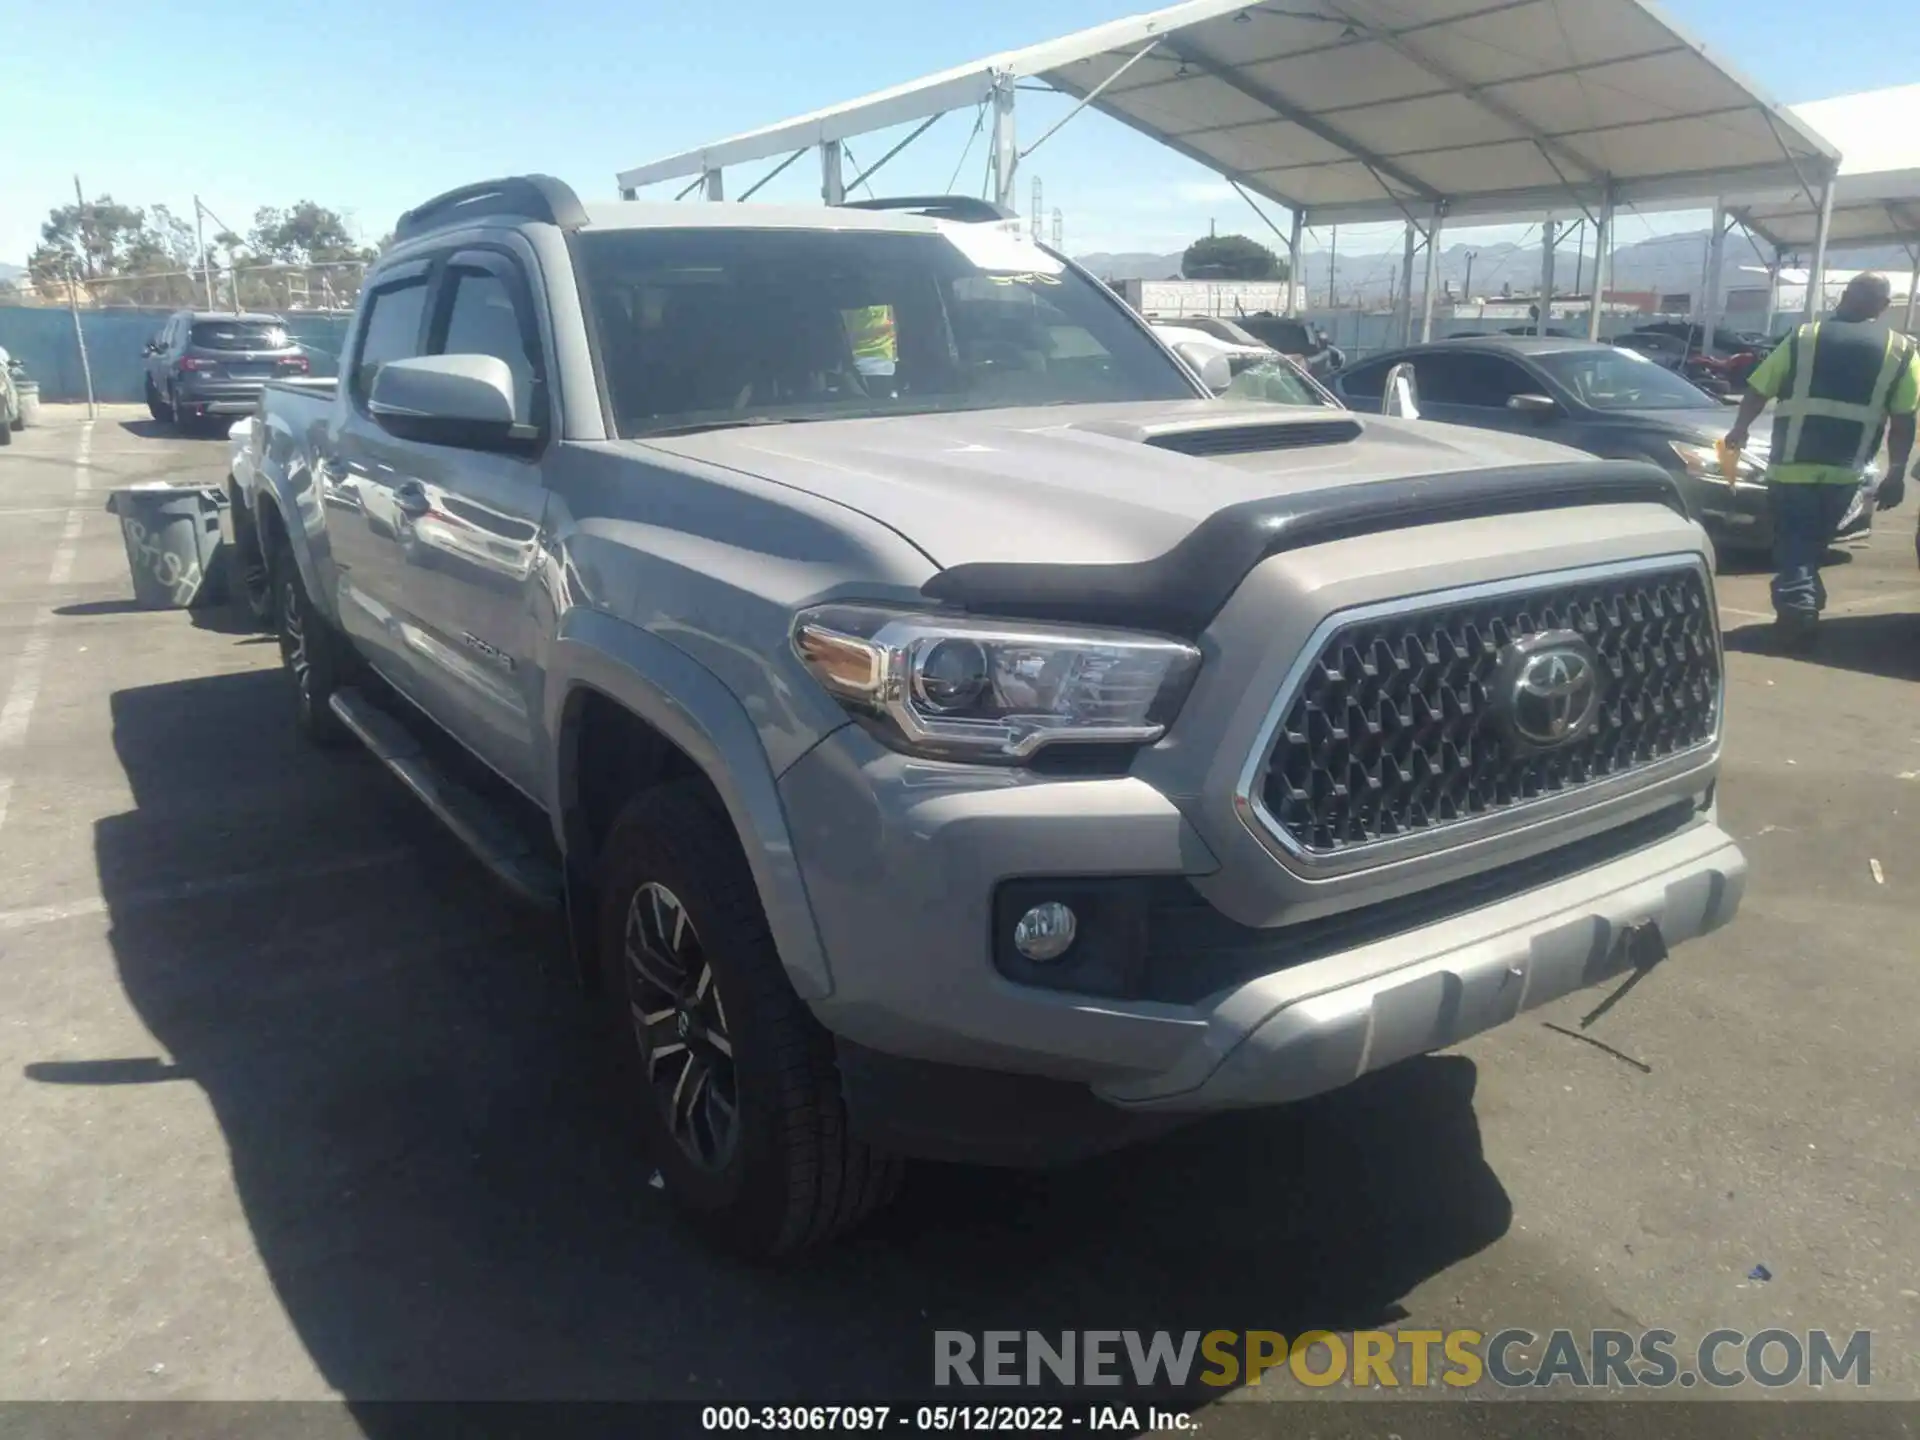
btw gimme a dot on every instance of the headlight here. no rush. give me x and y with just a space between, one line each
1703 464
961 688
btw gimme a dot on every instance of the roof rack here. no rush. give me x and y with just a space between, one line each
938 207
530 197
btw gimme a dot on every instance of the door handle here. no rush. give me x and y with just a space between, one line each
411 499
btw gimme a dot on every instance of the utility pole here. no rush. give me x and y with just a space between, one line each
1333 265
80 335
1211 231
1466 290
1579 254
200 239
86 245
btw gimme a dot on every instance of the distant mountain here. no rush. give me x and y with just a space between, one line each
1673 264
12 274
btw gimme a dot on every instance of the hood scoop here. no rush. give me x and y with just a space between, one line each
1254 439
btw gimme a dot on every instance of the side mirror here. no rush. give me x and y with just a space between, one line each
152 348
461 400
1215 371
1534 404
1402 394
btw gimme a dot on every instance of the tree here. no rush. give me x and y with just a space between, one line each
305 234
1231 257
89 240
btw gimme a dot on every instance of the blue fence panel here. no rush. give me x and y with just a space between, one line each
42 339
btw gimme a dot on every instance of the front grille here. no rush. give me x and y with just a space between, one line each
1252 439
1389 732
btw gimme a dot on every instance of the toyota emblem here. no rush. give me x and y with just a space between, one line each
1548 688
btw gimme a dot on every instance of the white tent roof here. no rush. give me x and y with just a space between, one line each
1369 109
1876 200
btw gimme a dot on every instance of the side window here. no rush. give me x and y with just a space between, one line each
1369 382
481 320
392 332
1485 382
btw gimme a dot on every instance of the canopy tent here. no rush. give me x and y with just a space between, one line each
1348 110
1876 197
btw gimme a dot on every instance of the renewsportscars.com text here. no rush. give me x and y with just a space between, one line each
1411 1359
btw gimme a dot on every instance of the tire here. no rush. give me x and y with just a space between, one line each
250 583
316 657
155 407
6 432
780 1173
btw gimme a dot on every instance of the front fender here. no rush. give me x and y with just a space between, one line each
683 700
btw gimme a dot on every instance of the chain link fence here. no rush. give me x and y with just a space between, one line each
86 338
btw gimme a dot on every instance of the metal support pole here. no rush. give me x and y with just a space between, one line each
1602 248
1333 267
1913 291
714 191
1295 277
1716 260
1549 236
200 239
1404 323
1433 273
831 189
80 338
1817 272
1005 152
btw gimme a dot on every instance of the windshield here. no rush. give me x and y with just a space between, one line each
1219 329
1275 381
238 335
703 328
1614 379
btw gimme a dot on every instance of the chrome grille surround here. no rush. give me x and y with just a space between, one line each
1647 645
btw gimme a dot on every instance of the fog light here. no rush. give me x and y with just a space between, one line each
1045 931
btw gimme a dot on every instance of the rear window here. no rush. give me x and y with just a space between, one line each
239 335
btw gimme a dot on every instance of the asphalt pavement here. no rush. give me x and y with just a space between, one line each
296 1105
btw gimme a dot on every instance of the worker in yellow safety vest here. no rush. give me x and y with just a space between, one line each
1838 387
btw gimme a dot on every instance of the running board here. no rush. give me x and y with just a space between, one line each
494 840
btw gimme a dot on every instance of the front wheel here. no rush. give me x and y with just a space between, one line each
155 406
732 1080
314 655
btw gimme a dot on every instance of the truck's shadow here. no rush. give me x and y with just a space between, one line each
416 1114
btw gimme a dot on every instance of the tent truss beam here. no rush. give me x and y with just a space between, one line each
1381 168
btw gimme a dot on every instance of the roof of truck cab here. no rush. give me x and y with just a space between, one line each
707 215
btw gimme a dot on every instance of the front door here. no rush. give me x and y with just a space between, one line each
472 529
362 475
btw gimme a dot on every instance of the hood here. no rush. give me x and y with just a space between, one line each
1089 484
1704 425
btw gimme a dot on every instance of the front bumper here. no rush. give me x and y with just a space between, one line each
1740 518
902 859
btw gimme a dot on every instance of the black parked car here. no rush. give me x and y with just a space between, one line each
1604 399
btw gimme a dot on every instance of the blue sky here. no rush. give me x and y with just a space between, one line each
370 107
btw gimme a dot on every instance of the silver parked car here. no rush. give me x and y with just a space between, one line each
998 750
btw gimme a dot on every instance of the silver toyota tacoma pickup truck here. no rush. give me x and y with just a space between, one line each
950 729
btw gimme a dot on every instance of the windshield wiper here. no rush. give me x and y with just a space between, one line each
697 427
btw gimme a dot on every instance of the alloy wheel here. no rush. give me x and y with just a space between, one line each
680 1024
293 638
